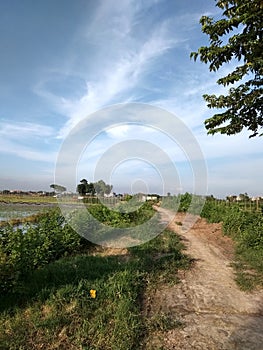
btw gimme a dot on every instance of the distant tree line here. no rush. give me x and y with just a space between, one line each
99 188
58 188
26 193
89 188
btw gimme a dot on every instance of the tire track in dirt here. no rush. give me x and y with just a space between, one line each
215 313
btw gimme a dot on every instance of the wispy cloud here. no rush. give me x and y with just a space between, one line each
26 152
122 46
23 130
116 52
125 75
17 139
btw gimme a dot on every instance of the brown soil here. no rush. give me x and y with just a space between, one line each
213 312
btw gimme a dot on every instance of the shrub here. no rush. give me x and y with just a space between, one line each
34 245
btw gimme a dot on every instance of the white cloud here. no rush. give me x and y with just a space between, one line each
125 75
19 130
20 139
119 47
118 132
128 51
26 152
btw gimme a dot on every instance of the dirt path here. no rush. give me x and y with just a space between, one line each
215 313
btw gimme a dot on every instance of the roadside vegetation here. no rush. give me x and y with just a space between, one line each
242 221
186 202
246 229
60 291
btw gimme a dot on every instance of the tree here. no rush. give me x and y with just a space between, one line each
102 188
242 106
91 189
81 189
58 188
85 188
244 196
231 198
84 181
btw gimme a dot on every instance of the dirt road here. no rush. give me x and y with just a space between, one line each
215 313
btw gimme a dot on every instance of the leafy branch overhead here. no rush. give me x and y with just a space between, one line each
242 106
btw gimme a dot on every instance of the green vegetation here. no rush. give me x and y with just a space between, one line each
21 220
47 303
99 187
242 221
242 106
32 246
124 215
86 188
58 188
121 226
184 203
48 270
25 198
246 229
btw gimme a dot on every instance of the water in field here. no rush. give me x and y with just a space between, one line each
18 211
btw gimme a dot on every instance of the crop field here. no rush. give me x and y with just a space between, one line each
30 199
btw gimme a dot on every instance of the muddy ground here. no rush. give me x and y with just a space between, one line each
213 313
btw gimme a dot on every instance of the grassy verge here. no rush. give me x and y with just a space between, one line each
51 306
243 226
246 229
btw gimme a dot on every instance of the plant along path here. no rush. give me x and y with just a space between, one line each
213 312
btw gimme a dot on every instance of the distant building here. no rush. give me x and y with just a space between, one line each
146 198
110 195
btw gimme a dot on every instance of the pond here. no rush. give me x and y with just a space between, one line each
10 211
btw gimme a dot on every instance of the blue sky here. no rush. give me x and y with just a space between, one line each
62 60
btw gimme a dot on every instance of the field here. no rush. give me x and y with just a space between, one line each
48 271
30 199
61 291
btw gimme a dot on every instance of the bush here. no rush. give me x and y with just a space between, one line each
214 211
184 203
126 215
34 245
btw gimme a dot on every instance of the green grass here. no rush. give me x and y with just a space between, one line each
249 267
246 230
16 198
51 307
